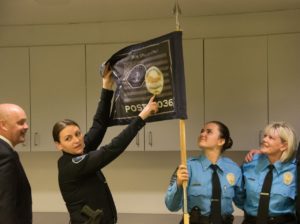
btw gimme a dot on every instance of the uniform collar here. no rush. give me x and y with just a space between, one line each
206 163
7 141
283 166
71 155
264 162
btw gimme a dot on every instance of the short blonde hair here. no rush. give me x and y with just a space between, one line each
287 134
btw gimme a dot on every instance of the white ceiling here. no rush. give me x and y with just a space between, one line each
17 12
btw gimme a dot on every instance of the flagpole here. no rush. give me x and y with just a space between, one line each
186 218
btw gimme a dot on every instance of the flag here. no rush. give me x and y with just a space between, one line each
154 67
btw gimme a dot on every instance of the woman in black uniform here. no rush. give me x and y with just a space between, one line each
82 184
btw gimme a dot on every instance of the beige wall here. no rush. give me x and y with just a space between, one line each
138 180
130 31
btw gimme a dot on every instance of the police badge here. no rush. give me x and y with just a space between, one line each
154 80
230 178
288 178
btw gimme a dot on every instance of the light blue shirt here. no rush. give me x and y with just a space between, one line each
199 190
283 190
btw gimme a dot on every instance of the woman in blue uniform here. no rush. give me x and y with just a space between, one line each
213 180
81 181
270 178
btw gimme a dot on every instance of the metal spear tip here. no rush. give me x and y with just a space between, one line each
176 8
102 68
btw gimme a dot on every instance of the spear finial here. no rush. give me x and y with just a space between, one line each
177 12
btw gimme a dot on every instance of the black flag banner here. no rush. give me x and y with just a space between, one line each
154 67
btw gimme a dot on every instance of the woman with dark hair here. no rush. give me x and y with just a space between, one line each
214 181
81 181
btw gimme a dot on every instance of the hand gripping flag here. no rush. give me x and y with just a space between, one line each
154 67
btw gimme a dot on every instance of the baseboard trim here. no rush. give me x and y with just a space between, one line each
123 218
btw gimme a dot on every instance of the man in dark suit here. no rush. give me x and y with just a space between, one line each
15 191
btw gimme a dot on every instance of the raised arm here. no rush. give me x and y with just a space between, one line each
100 158
94 136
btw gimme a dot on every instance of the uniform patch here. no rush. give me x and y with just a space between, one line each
288 178
230 178
78 159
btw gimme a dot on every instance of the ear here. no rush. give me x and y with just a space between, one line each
58 146
221 142
3 125
284 147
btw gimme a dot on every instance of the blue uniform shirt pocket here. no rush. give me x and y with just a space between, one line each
197 189
198 195
228 191
228 182
252 183
285 191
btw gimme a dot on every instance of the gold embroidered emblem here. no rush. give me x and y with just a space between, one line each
288 178
230 178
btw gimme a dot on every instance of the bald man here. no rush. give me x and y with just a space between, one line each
15 191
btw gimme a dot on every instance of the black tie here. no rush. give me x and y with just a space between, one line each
263 207
215 207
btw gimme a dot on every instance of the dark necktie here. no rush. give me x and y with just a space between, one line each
263 207
215 207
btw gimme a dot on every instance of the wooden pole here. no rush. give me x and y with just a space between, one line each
186 217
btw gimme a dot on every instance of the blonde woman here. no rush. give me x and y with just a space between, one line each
270 178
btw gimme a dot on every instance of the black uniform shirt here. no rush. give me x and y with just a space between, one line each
80 178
